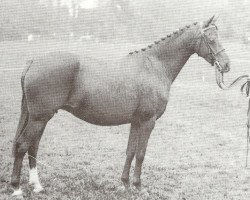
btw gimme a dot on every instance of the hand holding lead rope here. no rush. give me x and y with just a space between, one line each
245 88
248 139
245 91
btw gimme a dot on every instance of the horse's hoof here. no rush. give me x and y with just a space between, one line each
137 184
144 193
125 182
122 189
18 194
18 197
38 189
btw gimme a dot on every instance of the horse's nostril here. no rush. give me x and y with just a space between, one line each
227 67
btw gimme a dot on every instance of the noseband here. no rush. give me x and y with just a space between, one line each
210 50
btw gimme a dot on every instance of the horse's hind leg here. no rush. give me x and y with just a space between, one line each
32 154
30 137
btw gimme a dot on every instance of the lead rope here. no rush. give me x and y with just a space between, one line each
247 143
245 91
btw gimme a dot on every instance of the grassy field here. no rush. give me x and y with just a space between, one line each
196 151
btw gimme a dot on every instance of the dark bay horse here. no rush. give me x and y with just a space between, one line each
134 89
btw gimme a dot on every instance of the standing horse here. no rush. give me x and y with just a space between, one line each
134 89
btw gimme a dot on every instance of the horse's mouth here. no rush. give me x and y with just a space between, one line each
220 68
219 71
220 79
226 69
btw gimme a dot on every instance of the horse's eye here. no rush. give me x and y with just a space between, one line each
211 40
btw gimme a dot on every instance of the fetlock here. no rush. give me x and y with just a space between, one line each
125 181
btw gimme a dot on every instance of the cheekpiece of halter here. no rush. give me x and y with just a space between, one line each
210 50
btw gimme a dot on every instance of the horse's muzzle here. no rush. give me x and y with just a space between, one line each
226 68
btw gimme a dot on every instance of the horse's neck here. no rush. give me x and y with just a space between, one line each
174 54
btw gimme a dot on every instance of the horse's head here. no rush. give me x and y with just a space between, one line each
209 47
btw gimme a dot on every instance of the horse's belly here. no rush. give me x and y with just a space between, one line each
104 119
103 116
107 111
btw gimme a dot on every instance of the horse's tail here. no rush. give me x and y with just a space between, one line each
24 117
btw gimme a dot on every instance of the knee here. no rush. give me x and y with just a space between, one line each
130 155
140 157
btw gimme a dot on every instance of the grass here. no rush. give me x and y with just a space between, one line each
196 151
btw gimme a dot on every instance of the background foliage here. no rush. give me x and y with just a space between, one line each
117 19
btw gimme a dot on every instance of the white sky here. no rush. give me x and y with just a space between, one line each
87 4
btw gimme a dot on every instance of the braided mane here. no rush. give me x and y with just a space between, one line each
166 39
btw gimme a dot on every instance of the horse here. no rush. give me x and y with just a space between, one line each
131 90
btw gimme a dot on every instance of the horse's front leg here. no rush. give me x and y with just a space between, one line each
130 153
145 128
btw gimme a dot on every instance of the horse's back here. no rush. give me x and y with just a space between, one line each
49 80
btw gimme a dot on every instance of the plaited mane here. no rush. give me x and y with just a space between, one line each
169 37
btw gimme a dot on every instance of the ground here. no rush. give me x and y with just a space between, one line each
196 151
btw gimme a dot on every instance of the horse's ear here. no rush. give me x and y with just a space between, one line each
215 18
212 20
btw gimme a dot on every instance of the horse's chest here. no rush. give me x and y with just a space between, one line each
154 100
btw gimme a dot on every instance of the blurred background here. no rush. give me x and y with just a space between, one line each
197 150
117 20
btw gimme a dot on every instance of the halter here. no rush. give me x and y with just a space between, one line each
210 50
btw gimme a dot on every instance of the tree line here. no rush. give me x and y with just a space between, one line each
116 19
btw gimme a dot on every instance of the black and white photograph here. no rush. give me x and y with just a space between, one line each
125 99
